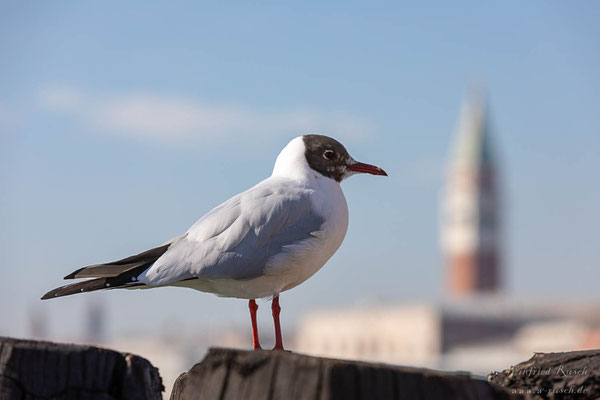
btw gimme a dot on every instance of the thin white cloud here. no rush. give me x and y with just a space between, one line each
176 119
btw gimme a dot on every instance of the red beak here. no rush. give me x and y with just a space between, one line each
366 168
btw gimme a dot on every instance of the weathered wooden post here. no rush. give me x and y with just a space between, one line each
260 375
44 370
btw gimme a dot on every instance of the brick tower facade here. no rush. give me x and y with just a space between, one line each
470 225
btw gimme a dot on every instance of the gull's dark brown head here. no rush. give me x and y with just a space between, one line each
330 158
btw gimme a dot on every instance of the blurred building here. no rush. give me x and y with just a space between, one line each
95 322
400 334
479 335
38 323
471 214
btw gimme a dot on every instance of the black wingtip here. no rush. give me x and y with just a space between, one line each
50 295
74 288
74 273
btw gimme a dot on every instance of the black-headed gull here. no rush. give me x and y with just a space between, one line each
259 243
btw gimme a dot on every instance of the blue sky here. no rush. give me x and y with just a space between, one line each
121 124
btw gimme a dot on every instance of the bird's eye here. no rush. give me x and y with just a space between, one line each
328 154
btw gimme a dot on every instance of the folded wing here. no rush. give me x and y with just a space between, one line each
236 239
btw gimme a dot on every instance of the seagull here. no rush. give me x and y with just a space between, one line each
258 244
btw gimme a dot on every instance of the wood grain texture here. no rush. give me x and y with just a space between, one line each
269 375
45 370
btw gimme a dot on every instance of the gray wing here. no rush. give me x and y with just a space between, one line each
236 239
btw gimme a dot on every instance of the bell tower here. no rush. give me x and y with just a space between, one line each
471 214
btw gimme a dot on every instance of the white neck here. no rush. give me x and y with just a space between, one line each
291 162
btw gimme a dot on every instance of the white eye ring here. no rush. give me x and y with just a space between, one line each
328 154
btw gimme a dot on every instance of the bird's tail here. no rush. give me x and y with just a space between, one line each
117 274
89 286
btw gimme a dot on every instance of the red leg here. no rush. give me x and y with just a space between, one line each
253 307
276 309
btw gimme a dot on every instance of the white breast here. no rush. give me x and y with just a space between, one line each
300 261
